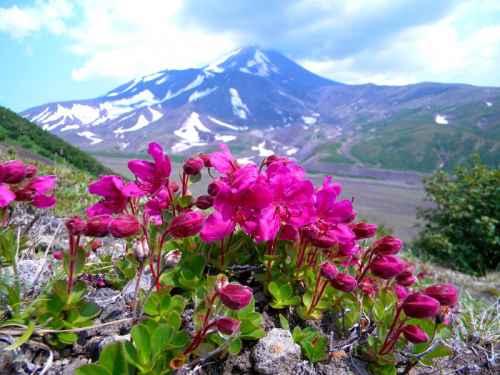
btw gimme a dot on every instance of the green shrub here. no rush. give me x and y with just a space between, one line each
462 228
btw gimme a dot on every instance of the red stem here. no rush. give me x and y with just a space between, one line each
387 338
198 338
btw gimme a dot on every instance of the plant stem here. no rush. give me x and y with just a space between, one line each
198 338
319 289
389 333
222 253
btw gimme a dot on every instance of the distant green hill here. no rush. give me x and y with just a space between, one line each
17 131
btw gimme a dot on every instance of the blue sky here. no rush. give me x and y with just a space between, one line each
70 49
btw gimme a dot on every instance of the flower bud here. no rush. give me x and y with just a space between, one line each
204 202
12 171
95 244
415 334
328 271
420 306
58 255
31 171
193 166
406 278
98 226
446 294
368 286
186 224
172 258
124 226
386 266
364 230
76 225
174 186
141 250
401 292
348 249
6 195
323 240
344 282
227 326
206 160
388 245
214 188
235 296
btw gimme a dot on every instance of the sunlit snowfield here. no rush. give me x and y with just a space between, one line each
384 202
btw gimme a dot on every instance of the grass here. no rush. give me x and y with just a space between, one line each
332 155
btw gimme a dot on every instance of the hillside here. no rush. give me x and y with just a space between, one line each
17 131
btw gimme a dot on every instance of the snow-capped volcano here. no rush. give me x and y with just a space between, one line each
247 89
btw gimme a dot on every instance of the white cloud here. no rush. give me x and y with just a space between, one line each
21 22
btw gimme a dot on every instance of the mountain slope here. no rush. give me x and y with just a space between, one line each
18 131
262 103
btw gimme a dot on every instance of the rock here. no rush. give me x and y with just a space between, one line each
27 271
238 364
276 353
305 368
71 367
111 302
145 282
340 367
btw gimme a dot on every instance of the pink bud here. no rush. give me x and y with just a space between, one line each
204 202
348 249
235 296
193 166
95 244
446 294
388 245
406 278
364 230
227 326
98 226
124 226
415 334
220 282
368 286
12 171
172 258
206 160
58 254
344 282
214 188
31 171
6 195
401 292
386 266
419 305
328 271
76 225
186 224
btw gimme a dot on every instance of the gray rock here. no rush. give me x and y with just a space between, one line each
145 282
71 367
27 271
276 353
305 368
238 364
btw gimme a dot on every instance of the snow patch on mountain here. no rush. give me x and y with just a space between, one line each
156 115
309 120
225 124
90 136
189 133
239 108
195 83
70 127
289 151
263 151
260 65
225 138
489 104
440 120
200 94
142 122
215 67
152 77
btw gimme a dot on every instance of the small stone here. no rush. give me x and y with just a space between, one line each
276 353
145 282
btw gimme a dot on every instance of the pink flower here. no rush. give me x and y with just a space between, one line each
216 228
386 266
58 255
235 296
154 207
328 271
227 326
12 171
152 176
414 334
406 278
368 287
344 282
401 292
446 294
420 306
223 161
115 195
6 195
124 226
76 225
38 192
186 224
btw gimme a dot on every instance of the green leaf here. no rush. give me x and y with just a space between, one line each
284 322
23 338
92 369
140 336
131 355
180 340
235 346
160 338
113 359
382 369
67 337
